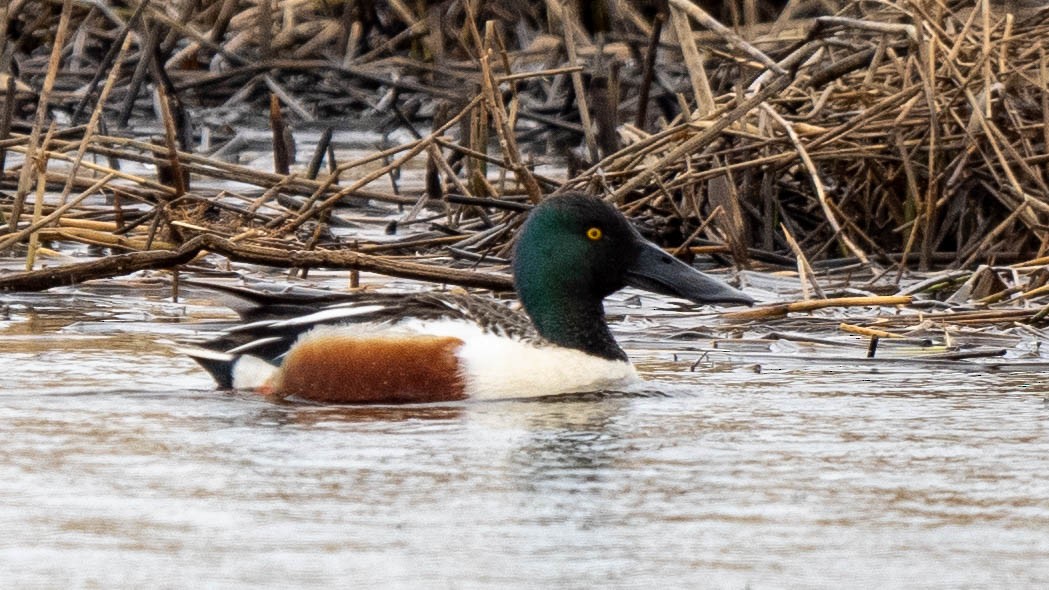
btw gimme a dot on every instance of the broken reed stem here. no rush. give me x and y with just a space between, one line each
38 204
547 73
96 115
105 238
111 61
9 240
703 17
501 120
697 73
641 121
59 154
123 264
928 208
323 144
179 178
865 331
782 309
806 276
686 244
580 91
6 117
915 199
281 157
817 184
41 111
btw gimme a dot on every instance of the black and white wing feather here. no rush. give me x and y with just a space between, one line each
276 320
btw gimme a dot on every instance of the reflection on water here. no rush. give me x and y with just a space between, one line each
121 467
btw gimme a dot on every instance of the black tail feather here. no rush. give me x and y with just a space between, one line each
218 365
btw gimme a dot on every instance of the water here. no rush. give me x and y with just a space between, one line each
121 467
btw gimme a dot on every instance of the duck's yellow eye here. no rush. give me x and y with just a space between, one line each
594 233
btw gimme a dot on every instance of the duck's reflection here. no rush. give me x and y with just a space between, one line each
307 415
569 441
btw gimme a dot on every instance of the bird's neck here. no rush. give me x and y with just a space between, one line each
572 322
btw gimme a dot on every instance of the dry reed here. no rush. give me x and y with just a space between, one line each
901 135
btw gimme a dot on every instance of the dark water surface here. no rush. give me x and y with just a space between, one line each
121 467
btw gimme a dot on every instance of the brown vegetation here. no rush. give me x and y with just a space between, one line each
890 136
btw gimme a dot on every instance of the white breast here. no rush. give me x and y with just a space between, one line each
497 367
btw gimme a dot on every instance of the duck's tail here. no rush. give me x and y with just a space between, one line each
233 371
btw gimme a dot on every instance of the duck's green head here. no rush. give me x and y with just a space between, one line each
574 250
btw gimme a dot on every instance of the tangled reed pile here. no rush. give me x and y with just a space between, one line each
892 135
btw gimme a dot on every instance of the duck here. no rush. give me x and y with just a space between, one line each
572 251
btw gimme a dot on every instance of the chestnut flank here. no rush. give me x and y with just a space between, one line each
333 368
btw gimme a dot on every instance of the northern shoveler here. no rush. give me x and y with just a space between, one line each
572 252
